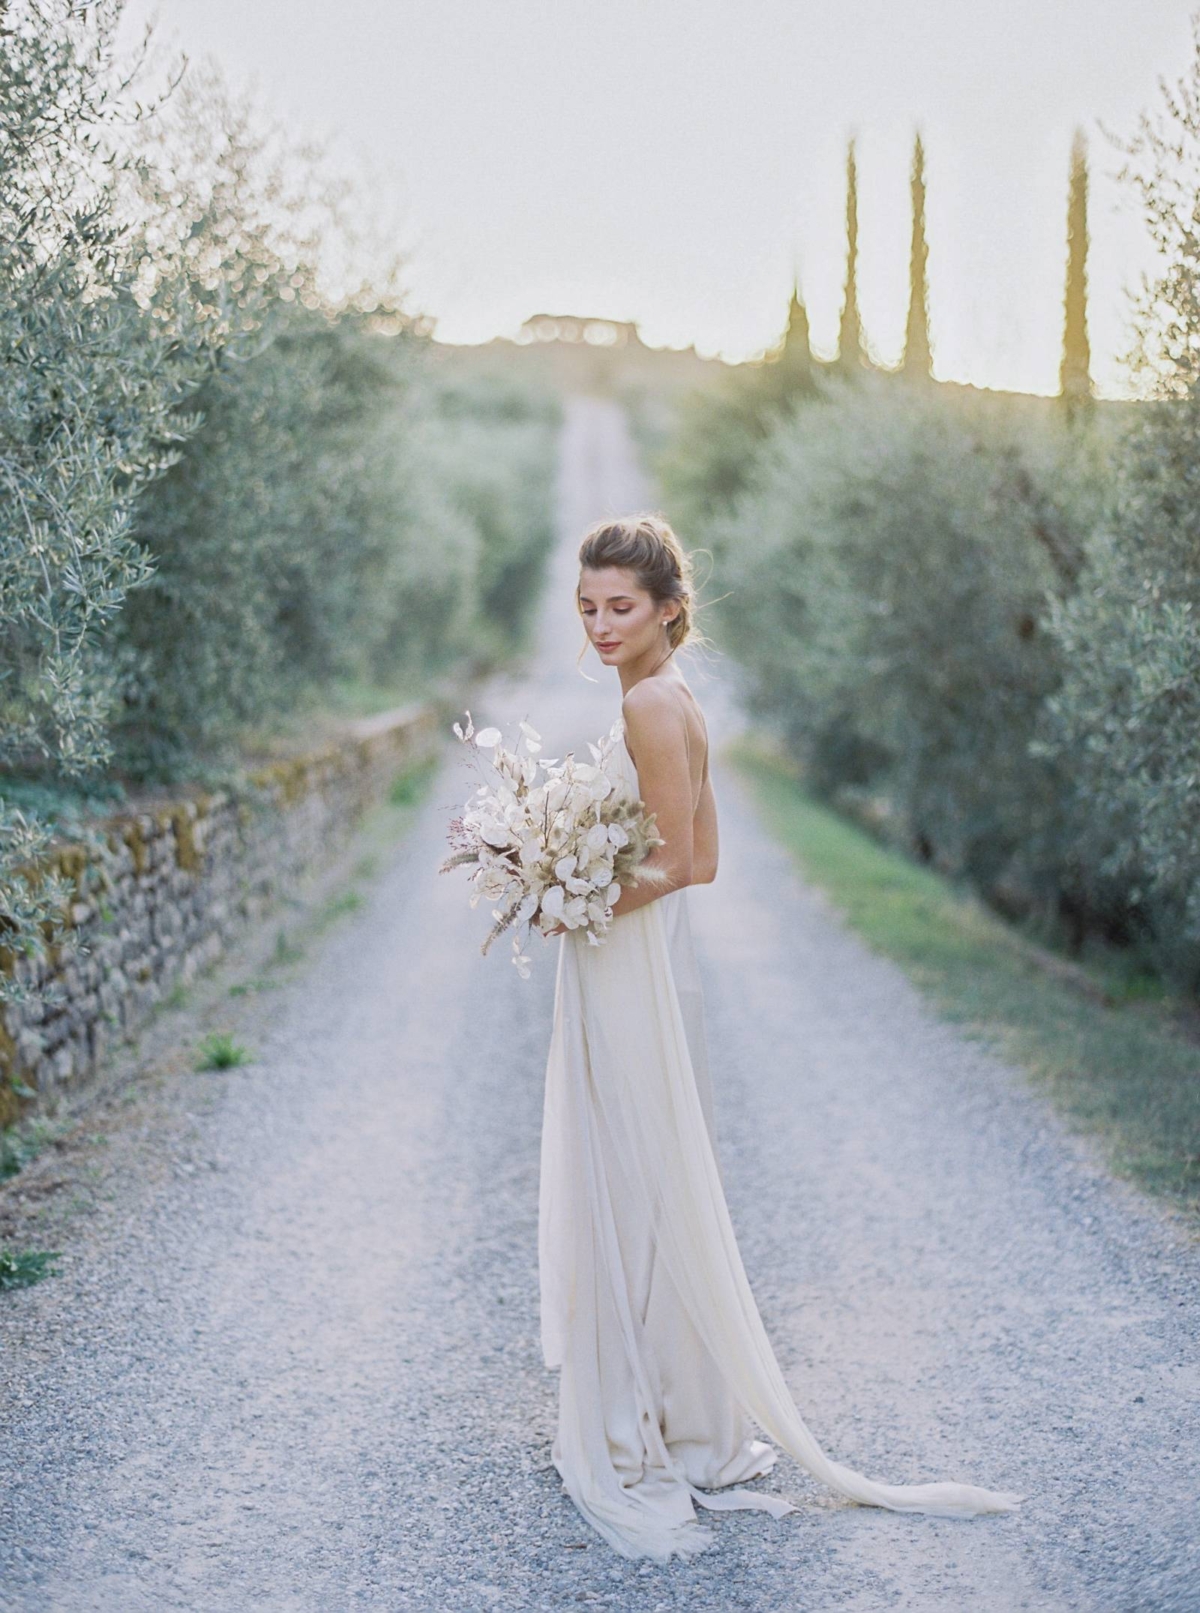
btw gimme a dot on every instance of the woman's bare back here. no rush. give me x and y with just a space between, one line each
704 806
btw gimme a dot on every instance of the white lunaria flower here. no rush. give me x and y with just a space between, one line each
495 832
597 837
617 836
564 868
530 733
613 894
494 884
552 902
487 738
556 794
593 939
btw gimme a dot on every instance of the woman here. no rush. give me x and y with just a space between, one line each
665 1368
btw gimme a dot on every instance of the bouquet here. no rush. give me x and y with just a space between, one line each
552 842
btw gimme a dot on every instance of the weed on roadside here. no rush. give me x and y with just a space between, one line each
21 1268
337 907
246 988
286 951
219 1051
22 1143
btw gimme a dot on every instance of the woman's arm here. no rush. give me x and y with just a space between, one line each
656 733
704 836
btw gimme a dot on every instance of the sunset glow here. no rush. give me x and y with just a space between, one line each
678 163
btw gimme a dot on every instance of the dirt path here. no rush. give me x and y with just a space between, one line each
295 1365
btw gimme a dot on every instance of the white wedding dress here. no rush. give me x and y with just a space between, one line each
666 1372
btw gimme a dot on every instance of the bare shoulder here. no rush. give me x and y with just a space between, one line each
650 696
654 710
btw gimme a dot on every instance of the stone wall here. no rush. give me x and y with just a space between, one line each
168 890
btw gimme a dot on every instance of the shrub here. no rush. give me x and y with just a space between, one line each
888 570
229 478
1126 721
89 415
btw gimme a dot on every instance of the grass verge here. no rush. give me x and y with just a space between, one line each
1119 1068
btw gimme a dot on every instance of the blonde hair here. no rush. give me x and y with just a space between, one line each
646 545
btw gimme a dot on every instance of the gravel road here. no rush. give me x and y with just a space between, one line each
299 1368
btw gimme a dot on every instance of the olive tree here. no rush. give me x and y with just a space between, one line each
1126 721
89 412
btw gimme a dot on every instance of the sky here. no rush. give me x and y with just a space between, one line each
677 162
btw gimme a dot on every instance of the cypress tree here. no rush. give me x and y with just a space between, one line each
1075 381
797 356
790 371
851 347
918 358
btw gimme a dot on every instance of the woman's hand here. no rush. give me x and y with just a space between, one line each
559 929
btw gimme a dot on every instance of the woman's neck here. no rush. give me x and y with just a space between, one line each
654 665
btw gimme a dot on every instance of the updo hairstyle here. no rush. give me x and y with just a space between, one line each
646 546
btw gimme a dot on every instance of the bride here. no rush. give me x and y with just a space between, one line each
666 1375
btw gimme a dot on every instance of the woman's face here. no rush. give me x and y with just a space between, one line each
622 620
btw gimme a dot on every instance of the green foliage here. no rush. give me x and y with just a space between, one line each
977 620
337 907
709 458
409 786
270 533
1126 721
22 1143
489 445
271 538
21 1268
89 415
220 1052
286 951
887 572
230 481
87 409
344 514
